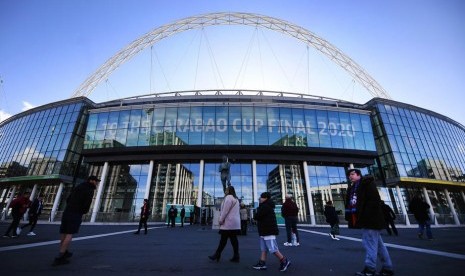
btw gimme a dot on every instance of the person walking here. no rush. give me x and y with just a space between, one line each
172 214
144 216
389 217
183 215
34 212
419 208
363 210
268 230
191 216
244 219
230 225
18 207
332 219
289 211
77 204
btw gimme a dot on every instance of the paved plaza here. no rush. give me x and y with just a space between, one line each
115 250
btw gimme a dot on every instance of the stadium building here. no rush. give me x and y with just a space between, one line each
167 147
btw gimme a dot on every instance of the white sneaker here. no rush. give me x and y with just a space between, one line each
18 231
296 244
287 244
31 234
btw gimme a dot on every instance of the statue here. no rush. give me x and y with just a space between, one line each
225 173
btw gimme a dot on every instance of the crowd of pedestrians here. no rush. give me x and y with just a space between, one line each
364 210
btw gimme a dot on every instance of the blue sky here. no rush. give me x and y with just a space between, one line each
414 49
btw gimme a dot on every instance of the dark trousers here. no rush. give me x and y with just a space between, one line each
393 226
244 227
32 223
142 221
224 239
14 224
291 226
172 222
182 221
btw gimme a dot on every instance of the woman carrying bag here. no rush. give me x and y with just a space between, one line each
230 225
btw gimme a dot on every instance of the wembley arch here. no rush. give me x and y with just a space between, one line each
233 18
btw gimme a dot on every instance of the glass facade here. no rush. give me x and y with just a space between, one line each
416 144
233 125
44 142
42 145
51 148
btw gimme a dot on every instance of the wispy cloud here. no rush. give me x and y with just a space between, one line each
27 105
4 115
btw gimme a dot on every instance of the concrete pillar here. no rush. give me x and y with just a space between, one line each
98 198
149 180
402 205
33 193
431 211
12 195
309 194
31 198
56 202
176 187
254 183
452 208
200 191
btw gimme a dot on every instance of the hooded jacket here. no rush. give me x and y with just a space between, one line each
80 198
289 208
420 210
19 206
369 212
266 219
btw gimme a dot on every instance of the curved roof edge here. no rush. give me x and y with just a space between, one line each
47 106
231 95
417 108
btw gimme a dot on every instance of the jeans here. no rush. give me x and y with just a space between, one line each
375 247
291 226
421 227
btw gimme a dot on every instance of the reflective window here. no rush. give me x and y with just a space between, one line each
421 145
37 143
232 125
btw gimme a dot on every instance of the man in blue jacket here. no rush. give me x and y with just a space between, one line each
363 210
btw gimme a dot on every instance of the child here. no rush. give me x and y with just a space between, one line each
268 229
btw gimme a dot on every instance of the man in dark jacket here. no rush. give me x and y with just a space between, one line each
183 215
34 212
389 217
144 216
77 204
268 230
289 211
172 214
419 208
18 207
363 210
332 219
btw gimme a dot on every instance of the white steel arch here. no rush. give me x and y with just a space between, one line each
226 18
